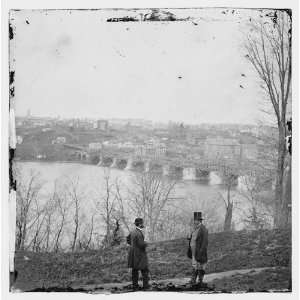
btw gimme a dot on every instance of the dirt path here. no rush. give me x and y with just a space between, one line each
107 287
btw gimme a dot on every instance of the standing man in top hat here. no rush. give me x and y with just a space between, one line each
198 246
137 257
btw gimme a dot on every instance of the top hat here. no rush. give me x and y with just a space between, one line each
138 221
198 216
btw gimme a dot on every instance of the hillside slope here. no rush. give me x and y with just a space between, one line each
227 251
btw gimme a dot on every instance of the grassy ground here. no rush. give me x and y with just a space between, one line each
227 251
271 279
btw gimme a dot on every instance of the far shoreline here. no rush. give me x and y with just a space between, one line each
55 161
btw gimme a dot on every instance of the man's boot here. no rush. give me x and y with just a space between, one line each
145 274
201 274
135 279
194 276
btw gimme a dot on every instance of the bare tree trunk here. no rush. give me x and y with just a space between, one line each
270 52
280 198
76 197
76 222
23 235
120 206
24 226
63 207
91 233
19 235
107 209
285 216
229 209
36 241
48 231
56 245
149 197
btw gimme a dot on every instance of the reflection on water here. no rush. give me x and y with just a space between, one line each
91 177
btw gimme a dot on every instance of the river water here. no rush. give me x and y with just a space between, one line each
187 194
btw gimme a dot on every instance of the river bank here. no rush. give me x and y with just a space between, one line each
81 162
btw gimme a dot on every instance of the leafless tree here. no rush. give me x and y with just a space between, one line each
210 208
85 239
63 207
37 230
148 198
106 206
75 194
171 224
229 180
269 50
50 211
91 232
121 210
257 209
27 193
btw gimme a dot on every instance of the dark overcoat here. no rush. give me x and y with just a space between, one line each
137 255
201 245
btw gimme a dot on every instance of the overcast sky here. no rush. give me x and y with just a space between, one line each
75 64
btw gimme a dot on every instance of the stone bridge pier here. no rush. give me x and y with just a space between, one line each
82 155
153 167
138 165
106 161
166 169
129 165
114 163
189 173
178 172
100 160
202 174
147 166
234 181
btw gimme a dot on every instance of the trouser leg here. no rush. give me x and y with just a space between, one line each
194 271
201 272
145 274
194 276
201 276
135 277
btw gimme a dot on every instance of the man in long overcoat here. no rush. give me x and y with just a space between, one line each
198 246
137 256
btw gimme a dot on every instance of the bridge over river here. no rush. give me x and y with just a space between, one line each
189 166
185 165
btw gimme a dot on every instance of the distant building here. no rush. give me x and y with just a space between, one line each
141 123
95 146
160 150
254 130
102 125
118 123
127 145
59 140
46 129
80 124
218 148
32 121
156 151
194 140
249 151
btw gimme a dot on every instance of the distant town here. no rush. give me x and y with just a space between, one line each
89 140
